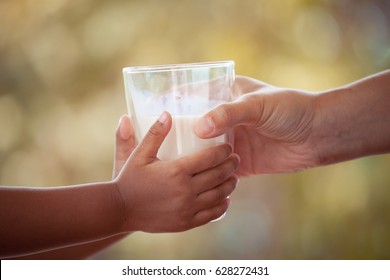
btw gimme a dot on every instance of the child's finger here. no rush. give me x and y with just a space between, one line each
214 196
125 143
152 141
207 215
205 159
214 176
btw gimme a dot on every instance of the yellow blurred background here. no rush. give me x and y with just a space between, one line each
61 95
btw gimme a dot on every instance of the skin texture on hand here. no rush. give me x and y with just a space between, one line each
286 130
185 193
62 221
271 127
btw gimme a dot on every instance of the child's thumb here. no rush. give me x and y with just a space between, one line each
153 139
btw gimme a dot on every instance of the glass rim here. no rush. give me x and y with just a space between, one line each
177 67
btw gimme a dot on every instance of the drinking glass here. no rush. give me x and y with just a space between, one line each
186 91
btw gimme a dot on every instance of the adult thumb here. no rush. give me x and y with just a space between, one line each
153 139
226 116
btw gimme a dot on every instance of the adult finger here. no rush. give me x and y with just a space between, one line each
245 110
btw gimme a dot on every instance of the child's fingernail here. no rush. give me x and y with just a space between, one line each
163 118
205 126
228 201
124 131
236 178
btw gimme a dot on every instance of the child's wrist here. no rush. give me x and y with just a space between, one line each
119 204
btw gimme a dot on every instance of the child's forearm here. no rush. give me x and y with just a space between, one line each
40 219
354 121
75 252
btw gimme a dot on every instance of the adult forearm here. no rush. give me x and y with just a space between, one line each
40 219
353 121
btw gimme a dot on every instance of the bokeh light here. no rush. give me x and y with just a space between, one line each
61 95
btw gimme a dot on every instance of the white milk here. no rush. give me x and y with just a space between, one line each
181 139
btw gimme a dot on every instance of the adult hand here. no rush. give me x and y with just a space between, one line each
271 127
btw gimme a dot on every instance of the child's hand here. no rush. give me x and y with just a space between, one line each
171 196
125 144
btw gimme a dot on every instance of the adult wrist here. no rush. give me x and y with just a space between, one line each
337 130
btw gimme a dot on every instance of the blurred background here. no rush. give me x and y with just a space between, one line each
61 95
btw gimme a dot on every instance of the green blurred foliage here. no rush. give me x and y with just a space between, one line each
61 94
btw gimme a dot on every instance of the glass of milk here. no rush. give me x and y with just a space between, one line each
186 91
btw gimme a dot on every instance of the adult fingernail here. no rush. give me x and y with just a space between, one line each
124 131
204 126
